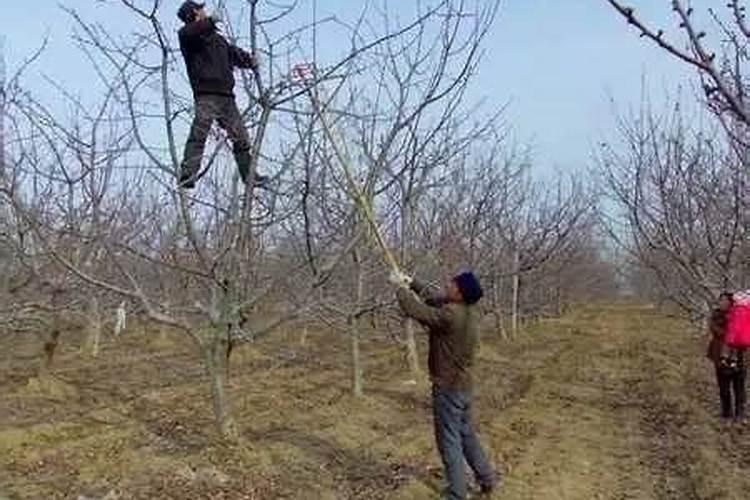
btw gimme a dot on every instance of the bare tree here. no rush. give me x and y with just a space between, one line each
721 64
35 296
683 210
489 214
393 133
3 104
93 190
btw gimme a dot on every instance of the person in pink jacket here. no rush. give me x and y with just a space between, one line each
729 362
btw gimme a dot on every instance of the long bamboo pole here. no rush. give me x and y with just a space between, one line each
355 190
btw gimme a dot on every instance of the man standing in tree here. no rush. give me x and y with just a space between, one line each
210 61
452 321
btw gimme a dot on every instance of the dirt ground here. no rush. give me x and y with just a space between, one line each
607 403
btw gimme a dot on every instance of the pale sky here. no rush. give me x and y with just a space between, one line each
557 62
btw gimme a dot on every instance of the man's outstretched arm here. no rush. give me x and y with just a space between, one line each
241 58
433 317
429 294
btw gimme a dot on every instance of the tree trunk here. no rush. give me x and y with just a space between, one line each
353 322
407 218
215 358
516 292
55 326
411 347
120 319
216 355
94 327
49 352
356 359
497 309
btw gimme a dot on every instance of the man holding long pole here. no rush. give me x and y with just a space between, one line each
452 321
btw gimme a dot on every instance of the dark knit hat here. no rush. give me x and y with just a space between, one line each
468 285
186 12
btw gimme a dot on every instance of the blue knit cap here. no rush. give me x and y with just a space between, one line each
469 286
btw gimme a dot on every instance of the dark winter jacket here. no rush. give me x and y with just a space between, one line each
453 336
210 59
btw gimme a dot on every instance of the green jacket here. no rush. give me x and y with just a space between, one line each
453 336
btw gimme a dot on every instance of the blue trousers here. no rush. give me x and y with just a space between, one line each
457 442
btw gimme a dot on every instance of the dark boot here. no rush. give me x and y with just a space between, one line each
242 158
261 181
186 180
486 491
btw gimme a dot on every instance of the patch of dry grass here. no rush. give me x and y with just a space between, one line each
608 402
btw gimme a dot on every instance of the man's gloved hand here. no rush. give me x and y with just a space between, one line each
254 61
400 278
